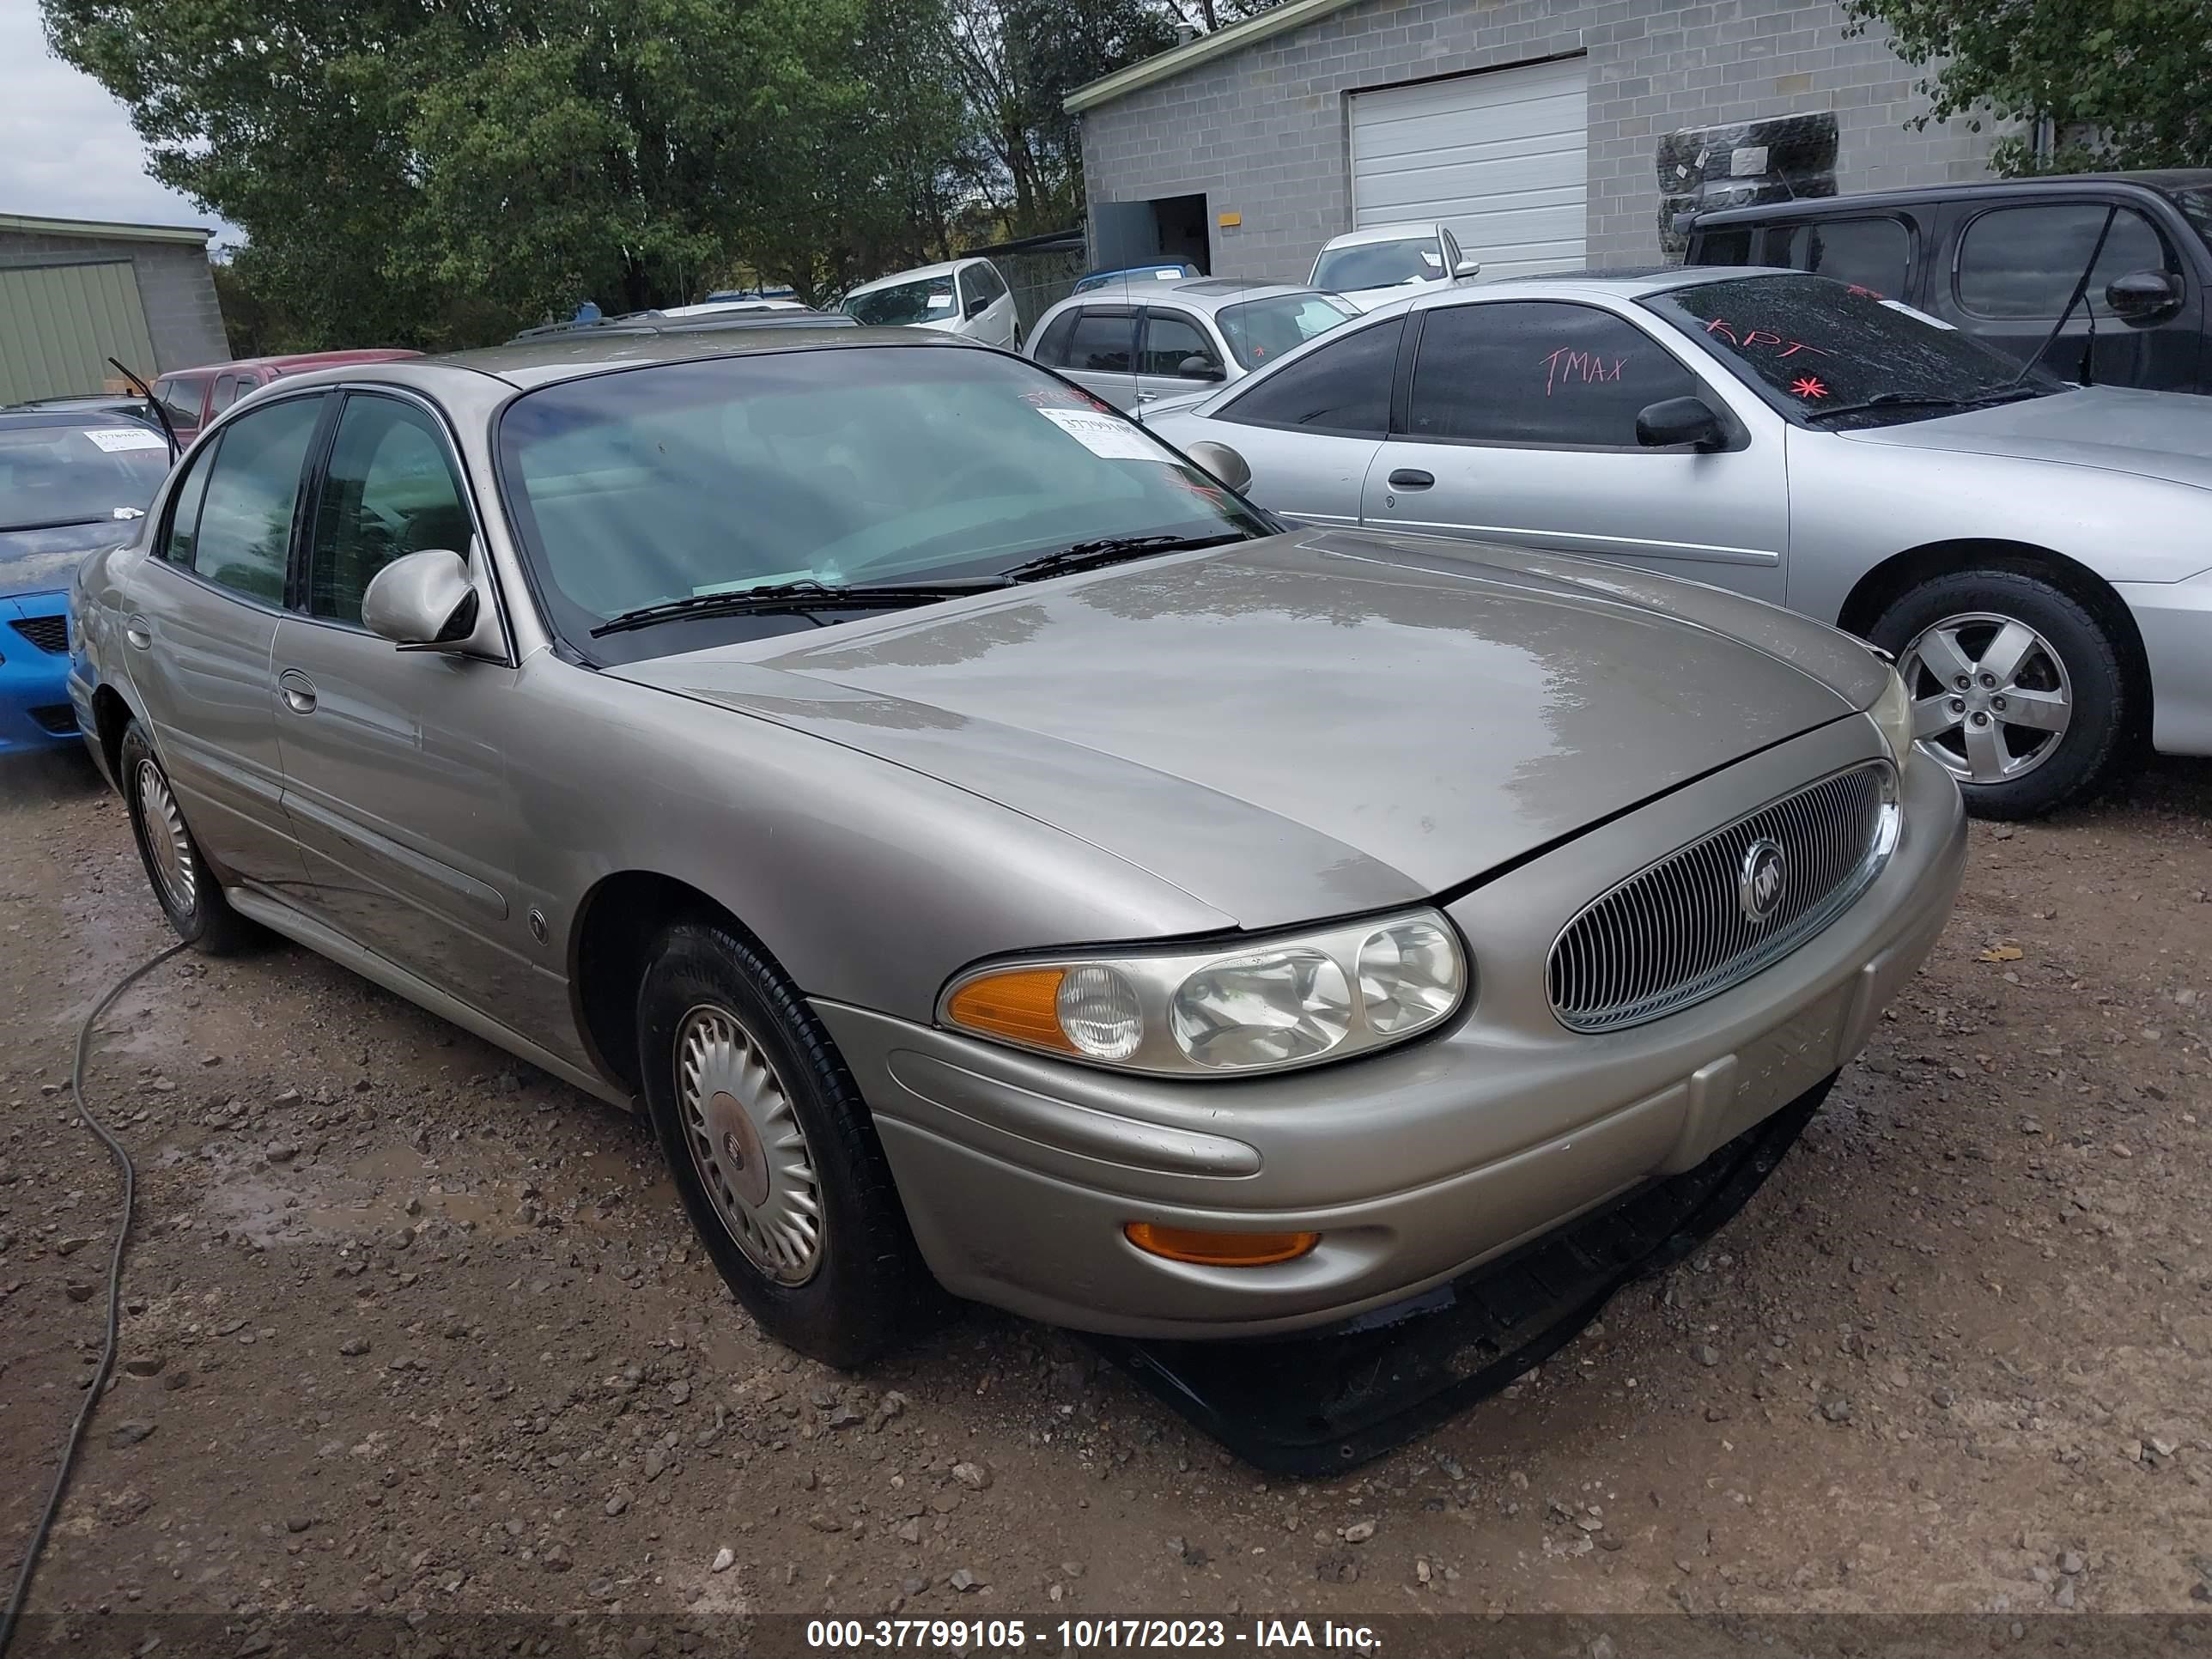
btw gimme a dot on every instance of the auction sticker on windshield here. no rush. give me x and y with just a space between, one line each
1107 436
114 438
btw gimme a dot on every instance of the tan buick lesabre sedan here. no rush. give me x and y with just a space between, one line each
987 847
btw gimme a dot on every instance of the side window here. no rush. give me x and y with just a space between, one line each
226 394
1102 341
1171 337
182 532
1729 245
2024 261
987 282
1052 345
1539 372
180 394
389 489
1872 253
245 536
1342 386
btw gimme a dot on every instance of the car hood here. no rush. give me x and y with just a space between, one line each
2156 434
1314 723
44 561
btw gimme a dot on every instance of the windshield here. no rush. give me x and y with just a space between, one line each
865 465
1260 330
1812 346
1379 265
926 300
57 475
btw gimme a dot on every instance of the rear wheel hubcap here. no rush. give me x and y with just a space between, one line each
747 1147
1990 696
169 846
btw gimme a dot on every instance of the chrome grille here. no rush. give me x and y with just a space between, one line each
1678 931
48 633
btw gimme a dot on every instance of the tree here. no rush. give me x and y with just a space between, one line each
2124 83
432 172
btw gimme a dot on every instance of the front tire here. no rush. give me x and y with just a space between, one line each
772 1149
2016 687
184 886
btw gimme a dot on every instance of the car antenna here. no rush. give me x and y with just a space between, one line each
2080 288
161 414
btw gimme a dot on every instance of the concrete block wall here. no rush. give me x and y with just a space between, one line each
1264 132
175 287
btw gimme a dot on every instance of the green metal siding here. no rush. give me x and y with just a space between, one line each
60 323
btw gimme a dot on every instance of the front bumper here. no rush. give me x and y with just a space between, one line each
1019 1172
35 711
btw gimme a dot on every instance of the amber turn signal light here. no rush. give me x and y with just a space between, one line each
1022 1006
1208 1249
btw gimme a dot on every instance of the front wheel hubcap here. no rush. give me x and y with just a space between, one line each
167 843
1990 696
747 1145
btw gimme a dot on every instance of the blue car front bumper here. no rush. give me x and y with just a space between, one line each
35 711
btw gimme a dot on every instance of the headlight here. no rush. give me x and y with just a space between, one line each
1892 712
1318 995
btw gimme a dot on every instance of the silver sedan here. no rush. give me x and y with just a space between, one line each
1138 340
2033 553
986 847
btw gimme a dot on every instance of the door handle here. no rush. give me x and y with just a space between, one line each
136 631
298 691
1409 477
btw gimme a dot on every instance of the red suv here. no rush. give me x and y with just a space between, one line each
193 396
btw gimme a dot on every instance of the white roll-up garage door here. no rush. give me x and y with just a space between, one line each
1501 157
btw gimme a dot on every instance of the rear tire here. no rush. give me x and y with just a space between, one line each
188 891
772 1150
2018 691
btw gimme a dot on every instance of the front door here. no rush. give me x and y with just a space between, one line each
1175 355
200 620
399 797
1310 429
1520 426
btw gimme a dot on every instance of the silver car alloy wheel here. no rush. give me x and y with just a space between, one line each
171 848
747 1145
1990 695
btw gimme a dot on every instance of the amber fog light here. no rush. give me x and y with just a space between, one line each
1219 1249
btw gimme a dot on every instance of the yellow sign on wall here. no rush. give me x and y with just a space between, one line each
1229 220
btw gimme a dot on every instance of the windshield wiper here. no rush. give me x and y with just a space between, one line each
1980 399
804 595
1110 549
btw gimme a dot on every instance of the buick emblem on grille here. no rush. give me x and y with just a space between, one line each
1759 880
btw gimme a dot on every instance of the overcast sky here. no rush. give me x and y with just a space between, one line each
67 150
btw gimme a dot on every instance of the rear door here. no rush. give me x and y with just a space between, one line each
1101 354
2013 265
201 622
1311 428
1175 354
1520 426
398 798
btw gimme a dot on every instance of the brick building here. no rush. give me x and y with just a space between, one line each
75 292
1548 134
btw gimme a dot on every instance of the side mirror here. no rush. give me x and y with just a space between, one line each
976 307
1195 367
1674 422
422 601
1466 267
1224 463
2143 297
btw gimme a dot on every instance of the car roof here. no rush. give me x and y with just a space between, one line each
14 420
2161 181
301 359
690 321
1380 234
943 268
1205 294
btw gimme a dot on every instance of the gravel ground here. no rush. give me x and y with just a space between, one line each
410 1328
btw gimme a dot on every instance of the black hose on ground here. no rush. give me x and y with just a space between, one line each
106 1366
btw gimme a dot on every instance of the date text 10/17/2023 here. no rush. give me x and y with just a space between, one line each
1016 1634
